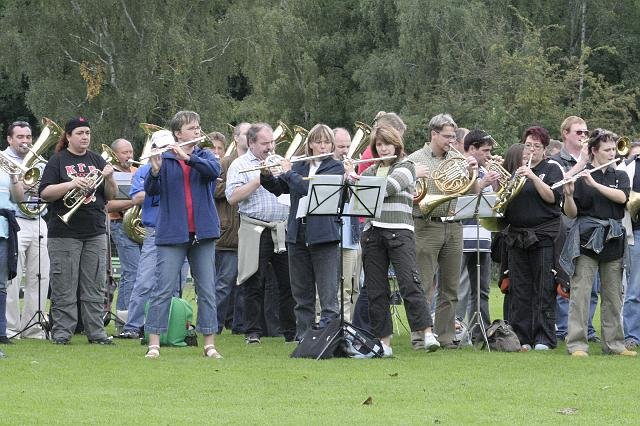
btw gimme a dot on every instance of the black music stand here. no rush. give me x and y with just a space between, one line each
327 197
475 207
39 316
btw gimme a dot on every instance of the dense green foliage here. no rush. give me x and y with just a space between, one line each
500 64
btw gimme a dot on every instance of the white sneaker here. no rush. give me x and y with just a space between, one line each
430 342
541 347
387 351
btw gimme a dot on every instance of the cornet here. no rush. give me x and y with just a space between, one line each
76 197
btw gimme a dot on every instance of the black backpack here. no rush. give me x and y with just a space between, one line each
502 338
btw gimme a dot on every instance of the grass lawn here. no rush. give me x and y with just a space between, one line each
82 383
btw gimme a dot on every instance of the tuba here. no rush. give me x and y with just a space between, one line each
34 161
452 178
231 148
360 139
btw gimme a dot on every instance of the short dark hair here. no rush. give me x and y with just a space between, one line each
599 136
17 124
537 132
477 138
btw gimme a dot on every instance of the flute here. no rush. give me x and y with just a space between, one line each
168 147
579 175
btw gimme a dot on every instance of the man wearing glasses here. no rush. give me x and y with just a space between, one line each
439 243
573 158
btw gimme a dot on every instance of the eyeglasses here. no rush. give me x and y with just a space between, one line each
451 137
535 146
192 128
582 132
322 142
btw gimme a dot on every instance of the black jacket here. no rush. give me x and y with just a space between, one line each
12 242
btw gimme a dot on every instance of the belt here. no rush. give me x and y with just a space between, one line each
116 220
28 218
437 219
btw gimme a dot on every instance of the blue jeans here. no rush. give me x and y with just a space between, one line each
562 312
201 257
226 276
129 255
631 308
145 282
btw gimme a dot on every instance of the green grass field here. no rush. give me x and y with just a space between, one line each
82 384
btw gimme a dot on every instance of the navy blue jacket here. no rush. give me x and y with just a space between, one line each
171 226
319 229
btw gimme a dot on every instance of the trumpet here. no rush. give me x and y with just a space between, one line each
579 175
158 151
76 197
275 160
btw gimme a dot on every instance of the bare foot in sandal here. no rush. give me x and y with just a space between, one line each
211 352
153 351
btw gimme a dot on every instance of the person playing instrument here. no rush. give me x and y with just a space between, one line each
389 239
187 225
78 248
312 241
33 256
229 296
439 243
147 271
596 243
534 222
261 236
477 240
573 157
128 250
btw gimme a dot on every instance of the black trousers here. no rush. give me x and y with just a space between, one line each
532 295
254 291
380 247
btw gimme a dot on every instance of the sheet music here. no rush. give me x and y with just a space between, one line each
123 180
368 193
324 195
466 207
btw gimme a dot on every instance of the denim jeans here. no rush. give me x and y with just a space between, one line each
562 311
314 268
226 275
201 257
631 309
129 255
146 280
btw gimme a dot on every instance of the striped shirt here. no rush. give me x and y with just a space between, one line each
470 233
426 156
261 204
398 196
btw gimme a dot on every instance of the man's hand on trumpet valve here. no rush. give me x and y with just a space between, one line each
490 178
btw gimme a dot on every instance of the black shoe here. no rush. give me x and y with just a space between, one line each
5 340
128 335
60 341
104 341
252 339
594 339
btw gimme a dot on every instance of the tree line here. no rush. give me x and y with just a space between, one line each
500 65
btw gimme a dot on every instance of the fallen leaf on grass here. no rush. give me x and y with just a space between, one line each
393 375
368 401
605 387
567 411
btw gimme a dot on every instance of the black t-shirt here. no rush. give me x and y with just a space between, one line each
89 220
528 209
590 202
